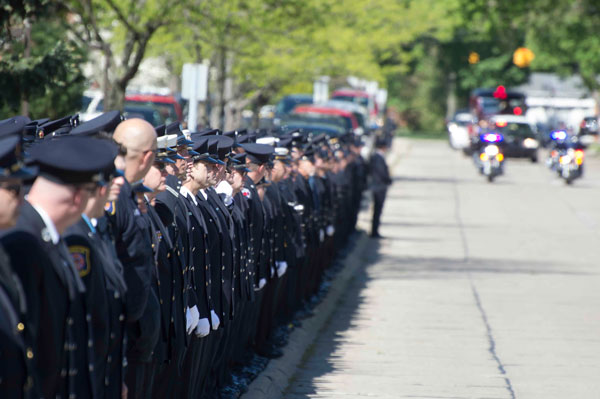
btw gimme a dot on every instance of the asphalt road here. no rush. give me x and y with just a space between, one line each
478 291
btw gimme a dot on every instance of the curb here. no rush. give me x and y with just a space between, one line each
274 380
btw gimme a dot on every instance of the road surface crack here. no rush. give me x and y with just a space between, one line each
491 341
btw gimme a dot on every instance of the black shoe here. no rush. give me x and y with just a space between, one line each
376 235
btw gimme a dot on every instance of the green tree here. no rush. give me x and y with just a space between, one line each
120 32
39 66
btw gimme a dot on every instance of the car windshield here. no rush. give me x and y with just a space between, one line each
167 111
359 119
517 130
286 105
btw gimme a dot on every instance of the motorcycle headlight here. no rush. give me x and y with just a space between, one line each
530 143
492 150
565 159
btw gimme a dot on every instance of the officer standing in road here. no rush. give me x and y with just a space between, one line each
380 180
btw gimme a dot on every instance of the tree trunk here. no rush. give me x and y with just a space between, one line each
451 97
27 54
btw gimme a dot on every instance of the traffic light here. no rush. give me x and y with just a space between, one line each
473 58
522 57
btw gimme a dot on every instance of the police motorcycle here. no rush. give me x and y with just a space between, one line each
489 157
566 156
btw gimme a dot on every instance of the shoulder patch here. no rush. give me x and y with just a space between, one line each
81 258
110 207
246 193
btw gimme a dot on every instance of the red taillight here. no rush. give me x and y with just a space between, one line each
517 111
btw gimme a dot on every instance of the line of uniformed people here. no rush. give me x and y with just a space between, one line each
145 262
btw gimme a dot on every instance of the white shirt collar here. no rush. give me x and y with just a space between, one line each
203 192
50 227
224 188
187 193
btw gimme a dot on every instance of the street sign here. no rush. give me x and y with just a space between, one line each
194 76
194 83
321 89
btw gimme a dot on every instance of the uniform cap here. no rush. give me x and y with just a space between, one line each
74 159
105 123
258 153
15 125
11 160
200 146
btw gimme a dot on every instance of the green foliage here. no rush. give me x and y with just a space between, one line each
50 77
417 49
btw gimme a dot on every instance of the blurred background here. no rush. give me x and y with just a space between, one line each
430 66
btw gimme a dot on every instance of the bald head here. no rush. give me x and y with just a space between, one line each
139 138
135 134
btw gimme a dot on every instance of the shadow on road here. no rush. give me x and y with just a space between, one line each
323 358
320 359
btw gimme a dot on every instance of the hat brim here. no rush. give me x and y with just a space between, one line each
164 160
23 173
142 189
208 159
181 140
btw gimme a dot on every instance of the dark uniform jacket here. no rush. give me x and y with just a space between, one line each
167 268
227 253
105 293
171 209
16 378
56 320
214 238
255 215
134 249
378 169
200 258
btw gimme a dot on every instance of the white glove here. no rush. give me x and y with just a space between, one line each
261 283
214 319
281 268
321 235
203 328
330 230
191 319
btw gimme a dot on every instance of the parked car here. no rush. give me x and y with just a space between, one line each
315 110
459 129
589 125
148 114
360 113
167 106
287 104
361 97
